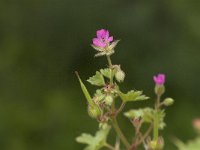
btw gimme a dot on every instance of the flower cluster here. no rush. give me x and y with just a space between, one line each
102 104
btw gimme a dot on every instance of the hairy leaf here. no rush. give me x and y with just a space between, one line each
97 79
133 96
94 142
191 145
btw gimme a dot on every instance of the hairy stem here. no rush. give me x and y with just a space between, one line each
145 134
114 120
109 146
109 61
120 134
156 120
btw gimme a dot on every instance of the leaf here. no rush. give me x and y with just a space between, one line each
133 96
107 73
161 115
146 114
134 113
85 91
94 142
97 79
191 145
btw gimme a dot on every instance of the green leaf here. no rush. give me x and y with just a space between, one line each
146 114
161 115
133 96
94 142
107 73
97 79
191 145
134 113
85 91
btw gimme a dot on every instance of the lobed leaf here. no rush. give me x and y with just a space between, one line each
94 142
133 96
97 79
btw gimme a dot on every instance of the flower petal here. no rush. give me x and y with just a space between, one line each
101 33
98 42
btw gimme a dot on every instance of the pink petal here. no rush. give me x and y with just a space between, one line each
101 33
110 39
98 42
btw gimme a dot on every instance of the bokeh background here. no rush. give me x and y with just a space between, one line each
42 43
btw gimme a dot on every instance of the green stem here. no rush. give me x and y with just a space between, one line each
114 120
109 146
110 66
156 120
120 134
109 61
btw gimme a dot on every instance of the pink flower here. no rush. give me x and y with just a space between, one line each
102 39
159 79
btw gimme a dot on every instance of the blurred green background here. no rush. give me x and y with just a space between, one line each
42 43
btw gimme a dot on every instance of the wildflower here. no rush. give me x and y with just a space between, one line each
102 39
104 43
159 79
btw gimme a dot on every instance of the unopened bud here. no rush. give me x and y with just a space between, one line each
168 101
156 144
109 100
94 112
120 75
159 89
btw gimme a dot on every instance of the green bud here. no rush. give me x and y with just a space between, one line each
168 101
156 144
152 145
94 112
103 125
120 75
109 100
159 89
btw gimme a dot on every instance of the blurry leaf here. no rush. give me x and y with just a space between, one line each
106 72
133 96
94 142
146 114
191 145
97 79
161 115
134 113
85 91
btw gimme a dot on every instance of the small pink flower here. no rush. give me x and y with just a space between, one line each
159 79
102 39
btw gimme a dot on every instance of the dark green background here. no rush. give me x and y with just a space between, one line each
42 43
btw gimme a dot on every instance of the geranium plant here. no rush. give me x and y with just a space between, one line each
102 105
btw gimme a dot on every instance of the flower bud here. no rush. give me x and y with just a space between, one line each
159 89
168 101
155 144
94 112
120 75
103 125
108 100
